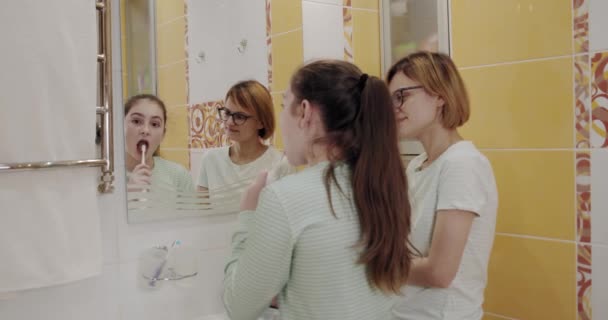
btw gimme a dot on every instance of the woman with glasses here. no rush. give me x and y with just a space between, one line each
248 118
451 189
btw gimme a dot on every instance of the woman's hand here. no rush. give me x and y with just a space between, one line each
140 178
249 201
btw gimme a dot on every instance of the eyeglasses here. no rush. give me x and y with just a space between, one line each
399 96
237 117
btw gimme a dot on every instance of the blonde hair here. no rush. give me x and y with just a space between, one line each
253 96
439 76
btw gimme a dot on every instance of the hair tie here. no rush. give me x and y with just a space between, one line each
362 81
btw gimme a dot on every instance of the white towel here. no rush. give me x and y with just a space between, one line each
49 221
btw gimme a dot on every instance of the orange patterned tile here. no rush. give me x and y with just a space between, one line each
348 33
599 100
581 26
268 18
582 108
583 196
206 129
186 53
583 282
269 43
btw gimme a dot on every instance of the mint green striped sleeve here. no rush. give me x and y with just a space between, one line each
261 259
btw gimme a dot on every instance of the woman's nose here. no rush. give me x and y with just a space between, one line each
145 129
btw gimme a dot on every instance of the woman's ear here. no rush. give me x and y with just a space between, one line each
304 111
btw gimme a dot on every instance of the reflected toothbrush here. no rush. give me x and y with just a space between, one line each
143 146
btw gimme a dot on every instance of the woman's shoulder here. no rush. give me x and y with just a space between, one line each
273 153
465 152
307 181
216 154
168 165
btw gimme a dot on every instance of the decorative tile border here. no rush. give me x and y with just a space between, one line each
186 55
583 138
582 109
348 31
269 42
599 100
206 129
581 26
583 196
583 282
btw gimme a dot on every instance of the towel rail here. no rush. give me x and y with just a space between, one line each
104 111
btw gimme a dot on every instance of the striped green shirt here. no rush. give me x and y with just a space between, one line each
293 246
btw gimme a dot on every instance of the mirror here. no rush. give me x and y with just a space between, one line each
190 53
192 151
409 26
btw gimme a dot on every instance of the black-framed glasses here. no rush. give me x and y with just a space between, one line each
237 117
399 96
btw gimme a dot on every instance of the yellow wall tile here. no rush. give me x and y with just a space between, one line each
366 4
286 15
522 105
167 10
536 192
287 56
172 84
532 279
277 99
171 42
366 41
178 129
492 31
179 156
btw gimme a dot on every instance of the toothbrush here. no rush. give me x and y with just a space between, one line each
143 153
143 146
160 269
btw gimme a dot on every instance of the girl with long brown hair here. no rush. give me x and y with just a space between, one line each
331 239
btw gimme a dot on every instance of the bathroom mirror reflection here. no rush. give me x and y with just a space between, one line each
205 137
195 133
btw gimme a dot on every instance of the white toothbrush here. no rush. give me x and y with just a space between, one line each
143 153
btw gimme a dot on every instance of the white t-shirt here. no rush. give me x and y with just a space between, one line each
461 179
218 170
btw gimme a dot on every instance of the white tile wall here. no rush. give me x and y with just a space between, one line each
323 32
599 282
599 201
598 24
95 299
248 21
114 295
216 27
206 80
